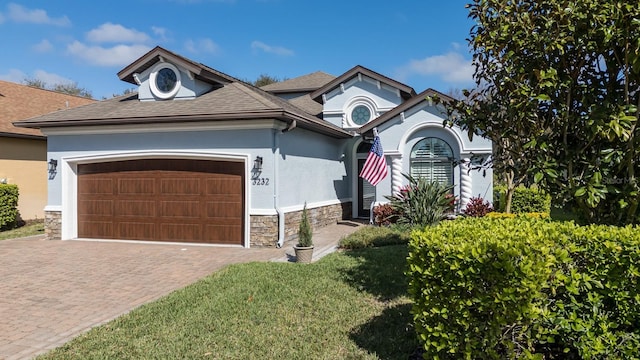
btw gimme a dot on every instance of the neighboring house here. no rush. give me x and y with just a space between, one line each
23 151
199 156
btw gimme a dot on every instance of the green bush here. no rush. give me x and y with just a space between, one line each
422 202
305 233
373 236
525 200
486 288
8 206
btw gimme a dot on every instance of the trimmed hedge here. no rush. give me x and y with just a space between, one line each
8 206
525 200
486 288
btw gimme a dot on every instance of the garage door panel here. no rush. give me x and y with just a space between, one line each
224 209
100 229
222 234
136 208
185 232
162 200
181 209
224 186
176 187
96 186
137 186
136 230
96 207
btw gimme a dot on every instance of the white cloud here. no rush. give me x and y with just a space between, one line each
278 50
160 32
20 14
202 46
14 75
43 46
50 78
119 55
18 76
451 67
116 33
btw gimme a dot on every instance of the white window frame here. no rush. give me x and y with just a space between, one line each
360 101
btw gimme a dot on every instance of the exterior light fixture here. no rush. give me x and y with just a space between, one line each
257 164
53 168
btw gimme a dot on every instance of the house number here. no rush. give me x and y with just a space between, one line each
261 181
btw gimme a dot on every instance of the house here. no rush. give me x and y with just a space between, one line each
23 151
200 156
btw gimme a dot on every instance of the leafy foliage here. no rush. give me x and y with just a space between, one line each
558 94
421 202
305 233
64 88
525 200
265 79
488 288
477 207
8 206
384 214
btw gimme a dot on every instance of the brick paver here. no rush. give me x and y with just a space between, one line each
52 291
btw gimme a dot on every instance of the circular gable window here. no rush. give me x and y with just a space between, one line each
164 81
360 115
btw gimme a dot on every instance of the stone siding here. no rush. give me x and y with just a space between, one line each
53 225
319 217
264 230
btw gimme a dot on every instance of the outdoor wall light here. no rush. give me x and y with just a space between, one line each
257 163
53 166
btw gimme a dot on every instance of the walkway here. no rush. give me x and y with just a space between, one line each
52 291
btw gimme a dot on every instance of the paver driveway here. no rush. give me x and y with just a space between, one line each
51 291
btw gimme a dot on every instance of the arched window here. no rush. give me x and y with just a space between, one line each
432 158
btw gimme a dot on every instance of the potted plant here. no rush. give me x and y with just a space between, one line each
304 248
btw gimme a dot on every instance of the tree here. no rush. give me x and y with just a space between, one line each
65 88
562 78
265 79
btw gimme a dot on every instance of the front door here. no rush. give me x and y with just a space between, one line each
366 193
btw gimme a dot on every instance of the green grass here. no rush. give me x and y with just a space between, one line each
33 228
349 305
374 236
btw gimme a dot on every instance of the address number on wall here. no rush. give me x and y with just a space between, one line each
260 181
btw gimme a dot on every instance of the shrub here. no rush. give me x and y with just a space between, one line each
534 215
477 207
422 202
384 215
487 288
525 200
8 206
373 236
305 233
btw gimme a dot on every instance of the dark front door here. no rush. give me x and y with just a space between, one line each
366 193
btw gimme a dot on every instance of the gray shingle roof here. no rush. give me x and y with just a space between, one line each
305 83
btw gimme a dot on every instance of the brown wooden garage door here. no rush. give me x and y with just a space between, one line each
162 200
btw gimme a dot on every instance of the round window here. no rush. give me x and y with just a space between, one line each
361 115
165 81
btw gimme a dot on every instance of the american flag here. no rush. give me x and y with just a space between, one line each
375 168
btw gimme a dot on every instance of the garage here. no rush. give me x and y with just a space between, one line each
173 200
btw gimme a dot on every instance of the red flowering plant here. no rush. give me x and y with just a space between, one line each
477 207
384 215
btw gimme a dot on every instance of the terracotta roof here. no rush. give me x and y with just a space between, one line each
405 91
304 83
403 107
19 102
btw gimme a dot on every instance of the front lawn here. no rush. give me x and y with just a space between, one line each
30 229
349 305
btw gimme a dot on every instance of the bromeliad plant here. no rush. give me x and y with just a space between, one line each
422 202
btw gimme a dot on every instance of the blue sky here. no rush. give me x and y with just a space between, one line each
419 42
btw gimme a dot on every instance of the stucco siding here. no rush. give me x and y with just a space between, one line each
24 162
312 169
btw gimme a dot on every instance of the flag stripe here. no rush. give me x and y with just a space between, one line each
375 167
